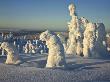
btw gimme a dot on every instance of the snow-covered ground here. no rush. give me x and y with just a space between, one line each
33 70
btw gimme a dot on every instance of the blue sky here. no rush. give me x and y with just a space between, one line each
50 14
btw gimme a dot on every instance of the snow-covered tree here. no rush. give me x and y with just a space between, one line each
74 43
56 55
94 36
12 53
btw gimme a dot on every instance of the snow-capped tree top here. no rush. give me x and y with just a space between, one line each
71 8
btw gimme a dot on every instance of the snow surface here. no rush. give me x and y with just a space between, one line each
33 70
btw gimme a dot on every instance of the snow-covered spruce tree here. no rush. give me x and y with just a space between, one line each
63 40
74 43
12 53
56 55
94 35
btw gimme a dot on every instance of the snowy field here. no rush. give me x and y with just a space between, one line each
33 70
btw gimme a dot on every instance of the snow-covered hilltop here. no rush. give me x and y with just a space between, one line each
52 57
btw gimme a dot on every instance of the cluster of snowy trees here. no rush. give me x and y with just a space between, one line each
86 42
85 38
23 45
